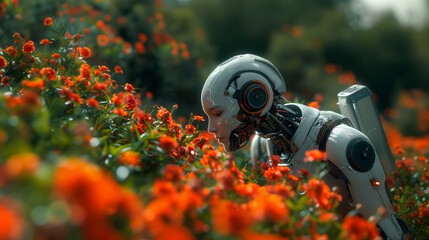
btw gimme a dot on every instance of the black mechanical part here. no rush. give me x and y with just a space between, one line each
402 225
337 173
382 233
360 155
279 125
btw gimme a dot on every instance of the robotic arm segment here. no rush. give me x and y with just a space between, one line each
353 154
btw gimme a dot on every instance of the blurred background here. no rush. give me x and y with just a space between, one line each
168 48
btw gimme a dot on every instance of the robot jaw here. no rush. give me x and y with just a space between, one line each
240 136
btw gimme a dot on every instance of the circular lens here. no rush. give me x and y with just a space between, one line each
257 97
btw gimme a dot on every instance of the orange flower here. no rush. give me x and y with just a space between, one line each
85 52
320 193
129 158
3 62
120 112
71 96
272 175
130 102
174 232
230 218
149 94
199 118
28 47
356 228
190 129
100 24
97 72
330 68
319 97
118 70
48 21
140 48
102 40
12 224
49 73
78 182
99 86
313 155
185 54
10 50
33 84
5 80
92 102
142 37
314 104
347 78
249 189
162 112
305 172
328 216
116 100
105 75
173 173
269 206
127 48
129 88
56 55
168 144
103 68
24 163
85 71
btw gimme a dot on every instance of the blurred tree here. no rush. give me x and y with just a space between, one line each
247 25
383 57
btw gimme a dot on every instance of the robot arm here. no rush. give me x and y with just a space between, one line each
353 154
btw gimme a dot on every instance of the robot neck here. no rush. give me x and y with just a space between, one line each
280 124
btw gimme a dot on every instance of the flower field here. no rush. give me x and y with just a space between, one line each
81 157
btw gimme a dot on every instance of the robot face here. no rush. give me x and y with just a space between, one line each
228 90
222 112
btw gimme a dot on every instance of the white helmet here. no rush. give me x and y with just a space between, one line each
242 84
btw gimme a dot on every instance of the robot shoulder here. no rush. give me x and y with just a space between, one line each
348 147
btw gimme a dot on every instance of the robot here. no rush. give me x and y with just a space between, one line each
244 95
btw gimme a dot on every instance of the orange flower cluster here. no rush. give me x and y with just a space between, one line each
25 102
294 31
12 223
95 197
85 52
314 155
3 62
355 228
28 47
48 21
20 164
172 205
320 193
314 104
347 78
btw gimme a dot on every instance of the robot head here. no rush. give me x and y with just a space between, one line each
242 84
